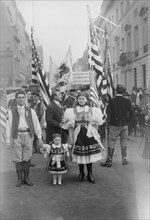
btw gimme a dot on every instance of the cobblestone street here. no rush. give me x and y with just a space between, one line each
120 192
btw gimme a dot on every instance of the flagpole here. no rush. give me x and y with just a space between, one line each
109 21
89 45
91 72
89 42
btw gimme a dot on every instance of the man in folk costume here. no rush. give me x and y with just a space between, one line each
21 127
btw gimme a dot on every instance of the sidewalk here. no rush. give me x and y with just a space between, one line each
142 177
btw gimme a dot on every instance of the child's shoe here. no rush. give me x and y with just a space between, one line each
54 180
59 180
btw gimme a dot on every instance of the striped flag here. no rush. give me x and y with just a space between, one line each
98 87
3 114
34 70
95 61
107 67
93 92
39 75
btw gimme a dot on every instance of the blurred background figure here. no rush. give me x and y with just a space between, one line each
133 95
70 99
38 106
141 102
30 101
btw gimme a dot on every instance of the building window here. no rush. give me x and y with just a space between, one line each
117 79
129 44
117 51
128 4
145 35
144 75
135 77
113 55
116 15
125 78
135 12
123 49
136 41
112 18
121 8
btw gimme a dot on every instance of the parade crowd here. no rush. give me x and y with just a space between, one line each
72 128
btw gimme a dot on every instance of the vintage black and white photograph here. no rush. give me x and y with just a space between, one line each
74 109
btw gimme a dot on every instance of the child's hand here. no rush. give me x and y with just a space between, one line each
46 147
45 155
69 146
67 154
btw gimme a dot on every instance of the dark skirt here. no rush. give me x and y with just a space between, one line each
57 167
86 150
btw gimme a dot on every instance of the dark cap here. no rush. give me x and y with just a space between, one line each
126 93
84 94
121 89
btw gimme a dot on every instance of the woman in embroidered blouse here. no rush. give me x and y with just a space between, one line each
82 121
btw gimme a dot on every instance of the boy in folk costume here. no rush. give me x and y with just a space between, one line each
21 127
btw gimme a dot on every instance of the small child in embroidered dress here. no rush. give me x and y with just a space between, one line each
57 164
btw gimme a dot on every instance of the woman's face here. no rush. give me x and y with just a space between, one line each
82 100
57 140
29 95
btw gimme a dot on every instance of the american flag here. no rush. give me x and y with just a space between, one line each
93 92
3 114
107 67
98 86
96 63
39 75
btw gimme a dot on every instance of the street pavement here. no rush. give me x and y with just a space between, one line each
120 192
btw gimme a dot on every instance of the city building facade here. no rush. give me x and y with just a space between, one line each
15 46
129 43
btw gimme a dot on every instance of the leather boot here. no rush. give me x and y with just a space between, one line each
19 171
31 164
82 174
124 155
108 162
90 176
26 165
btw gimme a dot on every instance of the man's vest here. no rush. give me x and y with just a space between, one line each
15 121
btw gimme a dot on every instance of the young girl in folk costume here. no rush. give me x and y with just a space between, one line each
82 122
57 152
